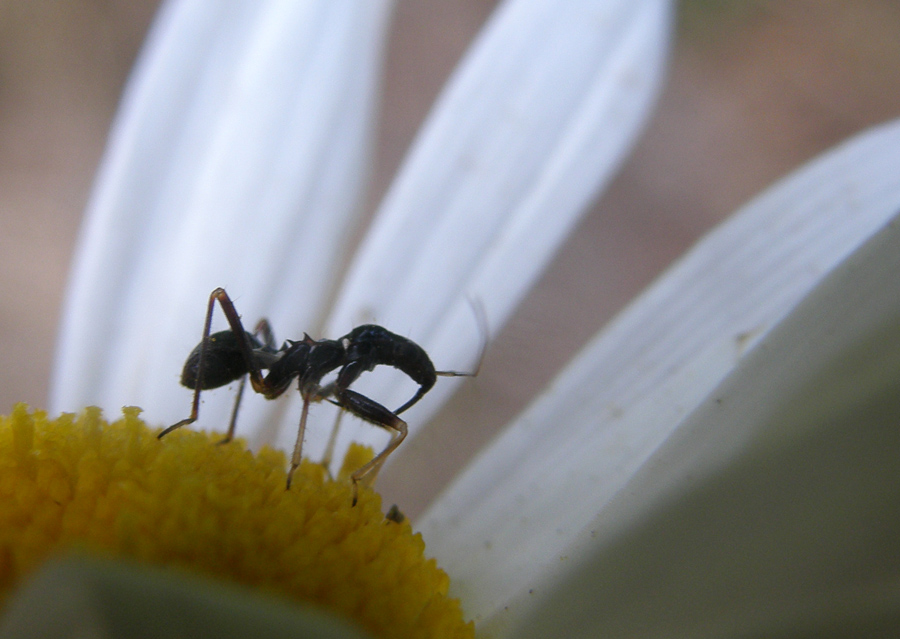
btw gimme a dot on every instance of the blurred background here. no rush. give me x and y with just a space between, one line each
755 89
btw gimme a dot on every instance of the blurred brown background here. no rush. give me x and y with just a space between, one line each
755 89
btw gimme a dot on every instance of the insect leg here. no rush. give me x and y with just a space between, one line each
262 330
375 413
298 447
234 321
232 424
195 406
332 440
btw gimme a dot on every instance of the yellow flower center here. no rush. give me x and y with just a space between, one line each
220 510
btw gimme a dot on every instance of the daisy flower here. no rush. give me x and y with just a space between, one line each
718 461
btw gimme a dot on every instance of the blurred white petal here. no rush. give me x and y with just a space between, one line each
535 121
237 160
774 510
502 527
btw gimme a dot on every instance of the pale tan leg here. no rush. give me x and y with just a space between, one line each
298 447
234 412
332 440
370 470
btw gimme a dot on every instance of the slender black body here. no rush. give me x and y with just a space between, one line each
228 356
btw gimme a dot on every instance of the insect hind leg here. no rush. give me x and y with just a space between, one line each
263 330
234 321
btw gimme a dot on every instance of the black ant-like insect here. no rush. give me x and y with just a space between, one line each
226 356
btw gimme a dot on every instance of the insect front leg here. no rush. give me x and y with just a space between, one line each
375 413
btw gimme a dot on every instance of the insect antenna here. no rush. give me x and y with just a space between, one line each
481 319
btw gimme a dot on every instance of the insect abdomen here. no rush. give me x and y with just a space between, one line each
223 362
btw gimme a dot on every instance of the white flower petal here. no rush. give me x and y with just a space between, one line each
237 160
534 122
774 510
507 519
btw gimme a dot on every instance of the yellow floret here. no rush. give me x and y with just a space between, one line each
220 510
